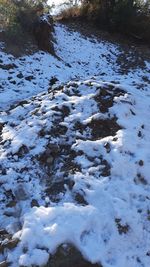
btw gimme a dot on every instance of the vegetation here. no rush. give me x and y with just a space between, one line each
126 16
18 16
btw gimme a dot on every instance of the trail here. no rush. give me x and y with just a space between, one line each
75 154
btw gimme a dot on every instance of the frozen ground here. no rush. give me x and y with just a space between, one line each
75 157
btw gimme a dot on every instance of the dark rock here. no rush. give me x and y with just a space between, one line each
8 66
22 151
10 244
141 179
34 203
1 127
103 128
3 232
108 147
79 198
141 162
106 169
69 256
53 80
11 204
13 82
54 189
139 134
20 75
29 78
122 229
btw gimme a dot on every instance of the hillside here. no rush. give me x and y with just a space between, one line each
75 152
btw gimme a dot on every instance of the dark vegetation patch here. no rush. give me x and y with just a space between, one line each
24 29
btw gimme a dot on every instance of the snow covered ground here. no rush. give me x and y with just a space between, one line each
74 157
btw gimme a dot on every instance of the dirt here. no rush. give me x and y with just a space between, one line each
23 46
133 53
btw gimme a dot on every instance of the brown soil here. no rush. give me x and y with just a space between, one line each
133 52
24 45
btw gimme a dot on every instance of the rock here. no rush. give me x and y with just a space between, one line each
29 78
141 162
20 75
102 128
11 243
22 151
4 172
139 134
107 146
11 204
8 66
13 82
80 199
20 193
68 256
53 80
3 232
34 203
122 229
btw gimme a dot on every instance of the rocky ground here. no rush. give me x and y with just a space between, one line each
74 157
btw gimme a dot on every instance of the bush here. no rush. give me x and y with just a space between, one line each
18 17
126 16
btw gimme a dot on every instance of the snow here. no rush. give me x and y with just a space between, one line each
61 136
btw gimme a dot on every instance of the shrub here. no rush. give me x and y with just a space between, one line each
19 16
126 16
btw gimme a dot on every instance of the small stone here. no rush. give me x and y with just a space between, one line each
53 80
11 243
107 146
20 75
148 254
4 172
13 82
80 199
29 78
141 162
11 204
139 134
34 203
